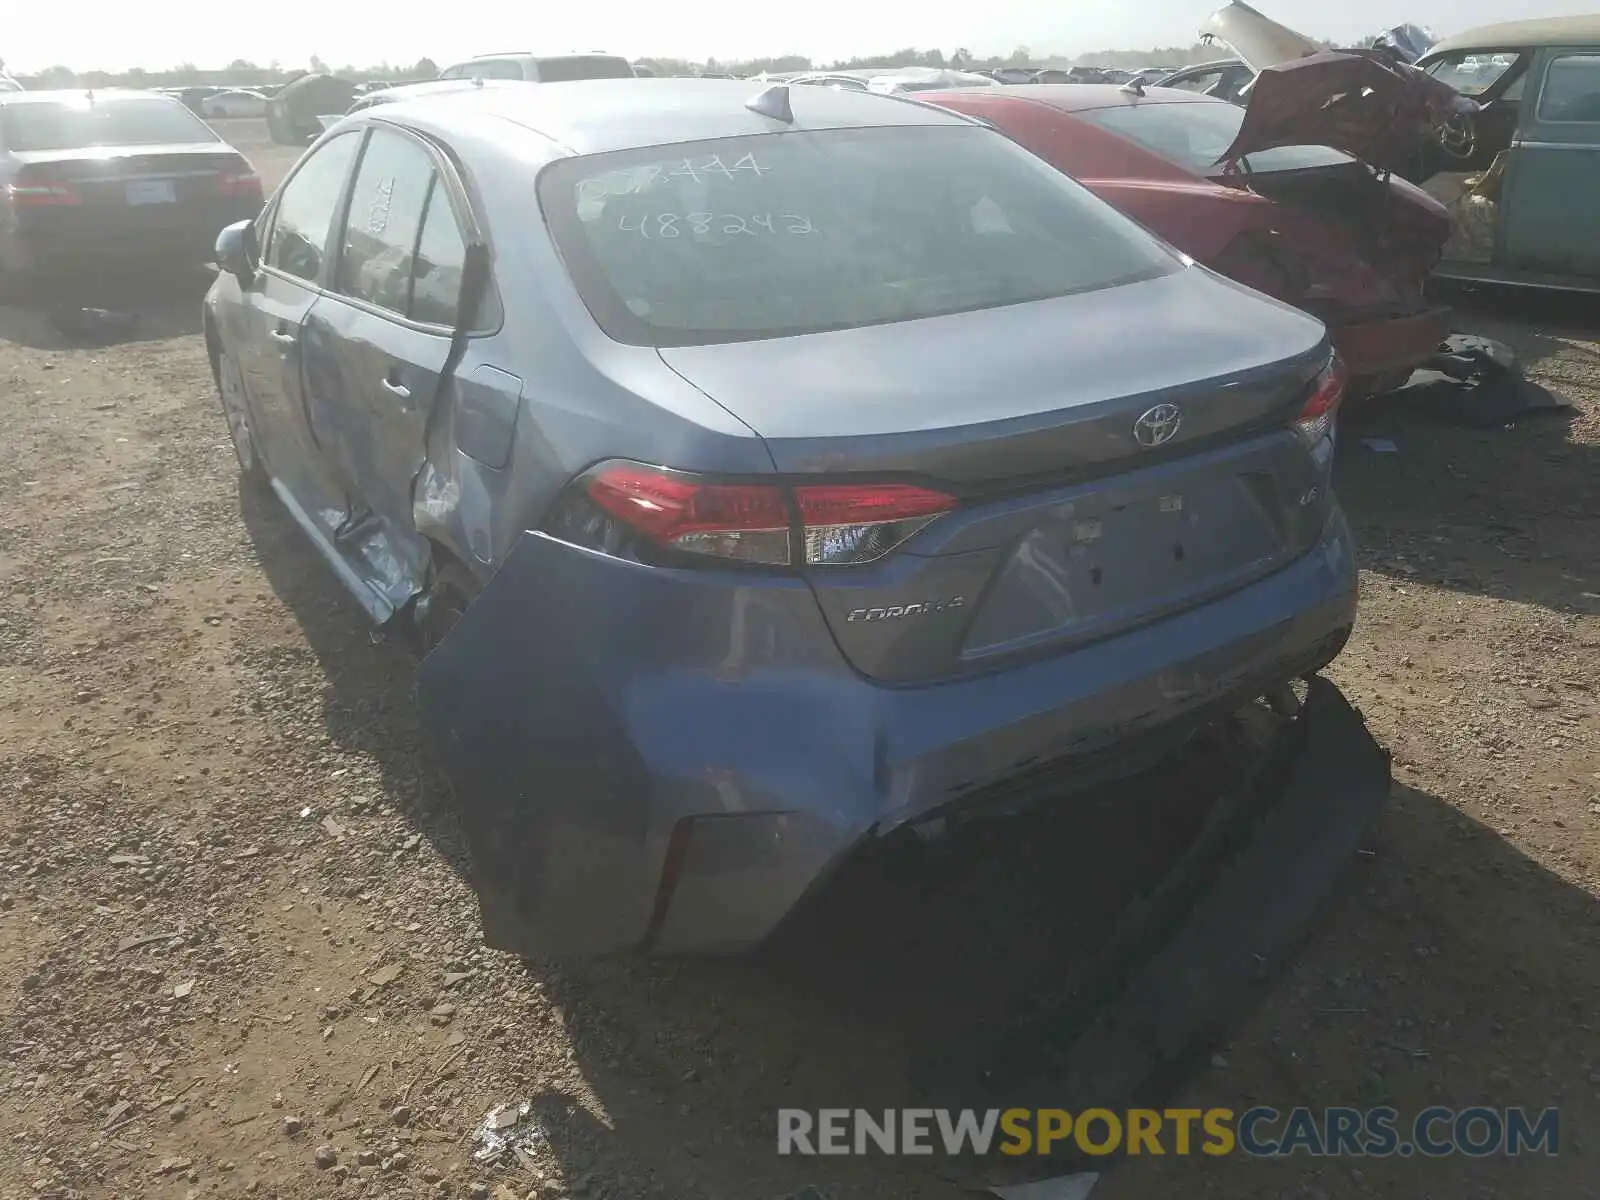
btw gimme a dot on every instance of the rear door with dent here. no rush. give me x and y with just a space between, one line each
378 345
1551 221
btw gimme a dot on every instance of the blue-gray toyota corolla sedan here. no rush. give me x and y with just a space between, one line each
766 471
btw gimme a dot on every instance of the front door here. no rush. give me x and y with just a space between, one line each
276 304
379 341
1550 218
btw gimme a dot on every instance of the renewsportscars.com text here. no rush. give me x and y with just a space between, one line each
1259 1132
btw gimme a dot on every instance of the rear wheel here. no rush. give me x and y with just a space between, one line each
236 408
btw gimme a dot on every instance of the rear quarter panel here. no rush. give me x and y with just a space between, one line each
582 397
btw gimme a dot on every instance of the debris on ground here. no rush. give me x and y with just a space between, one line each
92 325
508 1127
1476 382
1061 1187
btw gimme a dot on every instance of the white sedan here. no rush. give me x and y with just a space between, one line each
234 104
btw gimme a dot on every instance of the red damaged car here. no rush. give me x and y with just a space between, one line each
1292 195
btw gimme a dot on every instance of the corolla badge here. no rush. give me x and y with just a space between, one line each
894 612
1157 426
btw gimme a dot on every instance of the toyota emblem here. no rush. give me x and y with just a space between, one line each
1157 426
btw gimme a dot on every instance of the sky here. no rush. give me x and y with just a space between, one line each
115 35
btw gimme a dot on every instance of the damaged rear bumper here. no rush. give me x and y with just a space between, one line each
1184 969
671 759
1391 345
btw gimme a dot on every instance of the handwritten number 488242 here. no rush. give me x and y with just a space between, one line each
665 226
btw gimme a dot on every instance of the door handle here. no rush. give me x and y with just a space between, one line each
282 337
396 389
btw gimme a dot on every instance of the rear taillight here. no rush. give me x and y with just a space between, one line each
856 523
239 183
774 524
31 191
1317 415
1258 258
748 522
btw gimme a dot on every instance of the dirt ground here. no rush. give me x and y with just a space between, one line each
237 955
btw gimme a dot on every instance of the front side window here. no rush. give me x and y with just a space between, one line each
386 207
307 209
1471 74
1196 135
781 234
1571 89
45 125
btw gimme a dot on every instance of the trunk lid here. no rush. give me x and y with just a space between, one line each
1360 102
102 175
1258 40
1043 391
1071 525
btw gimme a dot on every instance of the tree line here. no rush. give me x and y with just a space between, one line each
242 72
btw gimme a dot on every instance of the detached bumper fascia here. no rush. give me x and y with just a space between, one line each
1192 966
671 759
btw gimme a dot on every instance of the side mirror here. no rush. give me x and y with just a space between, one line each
237 252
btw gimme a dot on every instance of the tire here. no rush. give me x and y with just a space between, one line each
236 411
18 272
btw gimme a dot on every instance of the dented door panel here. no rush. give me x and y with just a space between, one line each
374 381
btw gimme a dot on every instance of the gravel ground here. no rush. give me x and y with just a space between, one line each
237 955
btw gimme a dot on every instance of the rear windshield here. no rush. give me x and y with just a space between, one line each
1197 135
781 234
47 125
583 66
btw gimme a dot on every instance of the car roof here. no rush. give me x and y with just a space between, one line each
544 57
1521 35
592 116
1081 97
77 95
428 87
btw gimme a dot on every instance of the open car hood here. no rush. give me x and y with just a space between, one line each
1258 40
1359 101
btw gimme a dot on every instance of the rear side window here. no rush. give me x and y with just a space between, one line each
441 254
780 234
1196 135
308 207
583 66
1571 89
386 208
494 68
39 125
